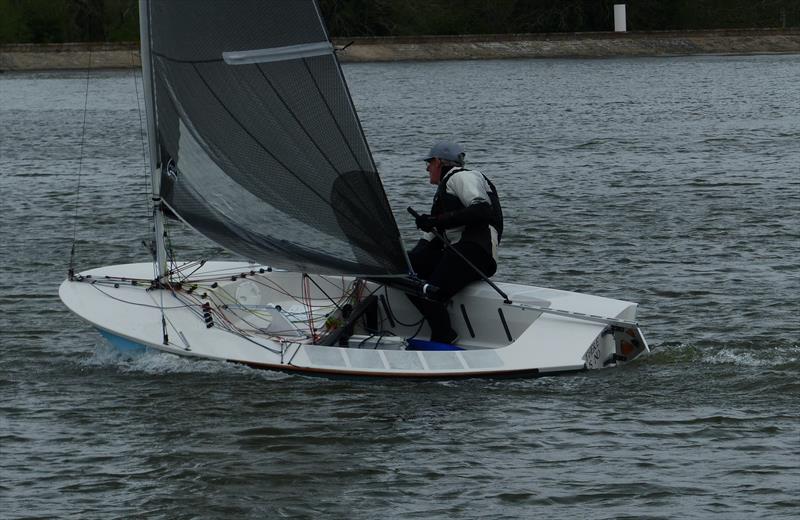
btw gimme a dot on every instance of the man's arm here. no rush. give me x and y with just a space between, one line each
469 187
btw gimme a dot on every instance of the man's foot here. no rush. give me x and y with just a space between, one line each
450 337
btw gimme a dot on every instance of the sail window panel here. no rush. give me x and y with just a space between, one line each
201 30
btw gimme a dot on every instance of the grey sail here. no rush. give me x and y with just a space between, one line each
260 146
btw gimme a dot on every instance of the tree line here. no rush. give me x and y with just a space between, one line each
58 21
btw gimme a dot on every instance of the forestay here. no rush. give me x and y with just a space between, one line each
261 149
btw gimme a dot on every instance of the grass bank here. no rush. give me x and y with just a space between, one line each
546 45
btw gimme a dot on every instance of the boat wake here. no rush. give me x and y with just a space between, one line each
153 362
744 355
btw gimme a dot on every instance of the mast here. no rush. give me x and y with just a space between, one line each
155 171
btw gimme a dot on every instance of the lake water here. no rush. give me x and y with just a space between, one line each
673 182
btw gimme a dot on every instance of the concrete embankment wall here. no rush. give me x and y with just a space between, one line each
574 45
551 45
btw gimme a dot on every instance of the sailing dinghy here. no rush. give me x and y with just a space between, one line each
255 143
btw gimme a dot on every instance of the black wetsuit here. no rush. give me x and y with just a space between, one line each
467 212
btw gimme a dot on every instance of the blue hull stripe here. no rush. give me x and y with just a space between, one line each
121 343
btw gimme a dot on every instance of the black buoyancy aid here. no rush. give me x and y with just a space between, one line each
444 202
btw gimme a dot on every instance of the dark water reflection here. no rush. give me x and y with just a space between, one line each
672 182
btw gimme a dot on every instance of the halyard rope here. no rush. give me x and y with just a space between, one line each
143 137
71 269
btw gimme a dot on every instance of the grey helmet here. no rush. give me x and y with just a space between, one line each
447 151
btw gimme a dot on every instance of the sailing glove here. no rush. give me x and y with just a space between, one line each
474 214
426 222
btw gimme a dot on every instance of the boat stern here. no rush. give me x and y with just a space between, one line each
615 345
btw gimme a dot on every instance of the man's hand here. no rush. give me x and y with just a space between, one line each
426 222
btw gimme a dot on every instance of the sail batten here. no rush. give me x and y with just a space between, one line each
267 156
289 52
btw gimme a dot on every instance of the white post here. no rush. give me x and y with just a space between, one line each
620 23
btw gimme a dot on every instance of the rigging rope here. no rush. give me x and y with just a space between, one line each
204 296
71 269
307 297
143 136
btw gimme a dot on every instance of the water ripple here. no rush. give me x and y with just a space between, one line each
670 182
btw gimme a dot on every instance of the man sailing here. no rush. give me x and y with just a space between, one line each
465 218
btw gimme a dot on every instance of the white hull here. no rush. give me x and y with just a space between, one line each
272 319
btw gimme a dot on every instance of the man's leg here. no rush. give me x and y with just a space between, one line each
451 275
424 259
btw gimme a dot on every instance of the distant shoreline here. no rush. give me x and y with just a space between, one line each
67 56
